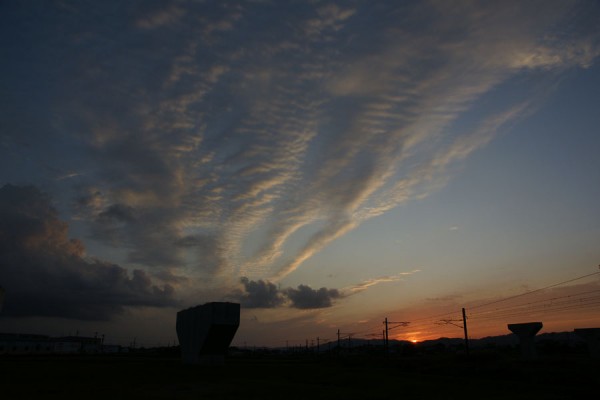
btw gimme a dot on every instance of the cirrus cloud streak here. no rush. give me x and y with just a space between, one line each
214 134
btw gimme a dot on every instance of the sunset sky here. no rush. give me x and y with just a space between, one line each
325 164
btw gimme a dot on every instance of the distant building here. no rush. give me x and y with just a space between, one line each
77 344
19 343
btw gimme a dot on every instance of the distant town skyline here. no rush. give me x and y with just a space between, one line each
325 164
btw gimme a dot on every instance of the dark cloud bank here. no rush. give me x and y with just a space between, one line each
265 294
45 273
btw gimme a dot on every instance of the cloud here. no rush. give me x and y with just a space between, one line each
204 142
304 297
259 294
329 17
160 17
118 212
45 273
364 285
265 294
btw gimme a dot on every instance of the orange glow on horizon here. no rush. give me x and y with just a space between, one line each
411 339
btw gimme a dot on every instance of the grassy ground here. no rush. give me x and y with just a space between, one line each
484 376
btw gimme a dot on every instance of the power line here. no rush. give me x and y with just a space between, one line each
534 291
562 306
435 317
533 302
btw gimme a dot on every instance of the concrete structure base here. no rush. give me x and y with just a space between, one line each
592 338
526 333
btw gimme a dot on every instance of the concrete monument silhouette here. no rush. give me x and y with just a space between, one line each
206 331
526 333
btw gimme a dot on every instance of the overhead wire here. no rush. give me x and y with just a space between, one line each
543 309
534 291
532 302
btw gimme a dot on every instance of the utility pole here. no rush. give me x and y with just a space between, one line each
339 344
464 315
318 345
386 335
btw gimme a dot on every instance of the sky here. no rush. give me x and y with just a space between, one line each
325 164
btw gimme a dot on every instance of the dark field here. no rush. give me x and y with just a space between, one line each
483 376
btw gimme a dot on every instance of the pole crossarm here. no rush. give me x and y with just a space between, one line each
450 322
402 324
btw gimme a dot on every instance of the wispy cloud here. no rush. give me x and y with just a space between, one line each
361 286
154 18
211 139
